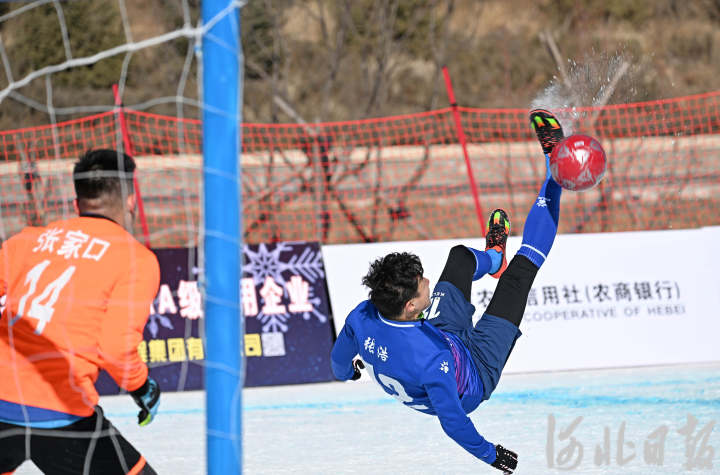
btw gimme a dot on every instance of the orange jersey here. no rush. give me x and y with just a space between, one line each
78 295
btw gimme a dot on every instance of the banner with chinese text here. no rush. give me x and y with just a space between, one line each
172 345
288 325
600 300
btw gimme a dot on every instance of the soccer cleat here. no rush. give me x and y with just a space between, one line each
548 129
498 229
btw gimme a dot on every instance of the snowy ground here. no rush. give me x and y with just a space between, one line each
610 421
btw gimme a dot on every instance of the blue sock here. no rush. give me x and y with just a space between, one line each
485 262
542 222
547 166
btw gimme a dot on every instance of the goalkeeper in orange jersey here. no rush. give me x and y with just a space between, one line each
78 294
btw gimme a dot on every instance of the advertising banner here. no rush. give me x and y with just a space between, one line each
173 346
600 300
288 323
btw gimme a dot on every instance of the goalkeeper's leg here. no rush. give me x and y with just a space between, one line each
93 442
12 447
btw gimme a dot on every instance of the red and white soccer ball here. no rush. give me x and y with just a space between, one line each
578 162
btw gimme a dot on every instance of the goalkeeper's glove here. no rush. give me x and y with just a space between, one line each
505 460
357 366
147 397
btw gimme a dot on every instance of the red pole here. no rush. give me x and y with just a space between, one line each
463 143
127 144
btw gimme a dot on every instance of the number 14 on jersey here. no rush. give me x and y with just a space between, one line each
41 306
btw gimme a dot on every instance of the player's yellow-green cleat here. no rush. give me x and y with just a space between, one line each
498 229
547 128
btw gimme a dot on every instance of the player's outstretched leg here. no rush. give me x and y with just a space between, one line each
466 264
498 229
492 260
542 221
511 294
494 335
547 128
539 232
458 270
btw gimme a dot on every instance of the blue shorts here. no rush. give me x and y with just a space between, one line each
490 341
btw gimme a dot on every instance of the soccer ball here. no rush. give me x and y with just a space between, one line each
577 163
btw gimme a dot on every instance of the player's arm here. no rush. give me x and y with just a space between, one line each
122 328
442 391
343 352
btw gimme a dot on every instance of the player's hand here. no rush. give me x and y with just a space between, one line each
505 460
357 366
147 397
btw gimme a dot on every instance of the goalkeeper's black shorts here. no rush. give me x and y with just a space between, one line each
89 446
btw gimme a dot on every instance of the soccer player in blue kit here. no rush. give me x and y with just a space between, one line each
439 363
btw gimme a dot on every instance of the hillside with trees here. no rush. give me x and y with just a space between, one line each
330 60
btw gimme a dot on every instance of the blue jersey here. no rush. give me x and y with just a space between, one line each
413 362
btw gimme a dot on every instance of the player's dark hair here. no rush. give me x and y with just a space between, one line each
102 172
393 280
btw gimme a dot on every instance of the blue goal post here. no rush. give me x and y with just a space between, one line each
222 61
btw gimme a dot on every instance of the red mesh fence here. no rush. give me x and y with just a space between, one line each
395 178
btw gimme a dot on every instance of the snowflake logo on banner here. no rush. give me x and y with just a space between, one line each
265 263
156 320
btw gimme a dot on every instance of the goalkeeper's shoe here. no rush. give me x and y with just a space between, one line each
498 229
548 129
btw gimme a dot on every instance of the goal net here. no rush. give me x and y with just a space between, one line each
74 75
146 78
